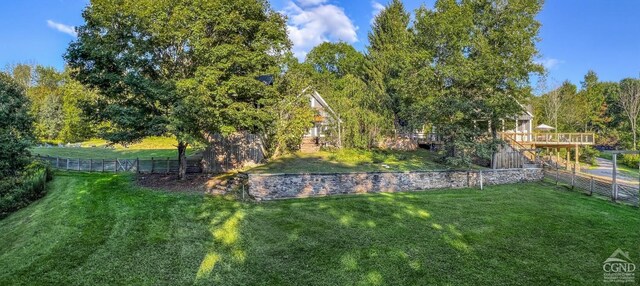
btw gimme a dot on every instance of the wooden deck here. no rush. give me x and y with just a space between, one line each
550 139
426 138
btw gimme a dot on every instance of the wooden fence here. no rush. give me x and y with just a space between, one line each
153 165
618 192
232 152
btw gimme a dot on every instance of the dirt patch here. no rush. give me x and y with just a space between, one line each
171 182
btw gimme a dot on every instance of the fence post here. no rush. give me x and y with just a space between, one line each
90 165
78 164
557 174
116 165
481 180
614 185
57 162
67 164
468 180
138 165
168 165
103 165
573 178
591 187
153 163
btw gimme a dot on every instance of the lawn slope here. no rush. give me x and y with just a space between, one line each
96 229
150 147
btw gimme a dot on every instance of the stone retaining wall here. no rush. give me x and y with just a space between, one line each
276 186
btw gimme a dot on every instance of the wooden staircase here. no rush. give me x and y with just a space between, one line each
309 145
516 155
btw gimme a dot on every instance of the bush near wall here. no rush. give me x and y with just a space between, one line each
630 160
19 192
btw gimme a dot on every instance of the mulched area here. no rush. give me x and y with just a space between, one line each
171 182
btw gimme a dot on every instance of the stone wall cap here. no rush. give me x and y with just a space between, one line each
250 174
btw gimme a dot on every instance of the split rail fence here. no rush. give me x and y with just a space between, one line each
153 165
616 191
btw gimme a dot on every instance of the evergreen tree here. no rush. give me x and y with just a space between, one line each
390 47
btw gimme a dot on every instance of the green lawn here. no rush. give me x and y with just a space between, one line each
348 160
157 147
98 229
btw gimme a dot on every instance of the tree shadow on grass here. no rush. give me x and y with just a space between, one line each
224 217
347 239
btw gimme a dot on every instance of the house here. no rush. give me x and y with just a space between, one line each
324 119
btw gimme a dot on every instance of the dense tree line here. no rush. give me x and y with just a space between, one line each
56 102
451 66
609 109
190 69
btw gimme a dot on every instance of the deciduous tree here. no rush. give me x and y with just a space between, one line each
15 126
186 68
629 101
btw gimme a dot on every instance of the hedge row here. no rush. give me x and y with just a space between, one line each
19 192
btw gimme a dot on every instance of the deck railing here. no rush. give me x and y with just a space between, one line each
424 137
550 138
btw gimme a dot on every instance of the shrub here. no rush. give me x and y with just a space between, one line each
630 160
19 192
589 154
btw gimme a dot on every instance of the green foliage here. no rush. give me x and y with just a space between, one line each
467 67
630 160
56 101
338 59
338 78
51 117
76 127
294 115
15 127
390 47
28 186
589 154
362 126
186 68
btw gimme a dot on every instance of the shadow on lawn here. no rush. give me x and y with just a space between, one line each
224 217
353 233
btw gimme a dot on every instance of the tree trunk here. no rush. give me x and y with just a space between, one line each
634 139
182 159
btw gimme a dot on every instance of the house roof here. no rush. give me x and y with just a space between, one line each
266 79
315 95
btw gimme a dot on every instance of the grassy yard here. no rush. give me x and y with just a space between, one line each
158 147
348 160
97 229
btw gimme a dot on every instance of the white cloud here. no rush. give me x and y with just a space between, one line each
377 8
311 22
549 63
70 30
311 2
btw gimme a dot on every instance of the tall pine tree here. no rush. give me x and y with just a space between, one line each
390 44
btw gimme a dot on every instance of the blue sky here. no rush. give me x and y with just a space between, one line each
577 35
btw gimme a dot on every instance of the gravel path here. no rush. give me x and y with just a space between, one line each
605 169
